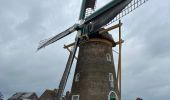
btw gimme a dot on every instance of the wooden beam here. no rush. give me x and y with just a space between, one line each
111 28
69 45
118 42
70 51
115 51
119 63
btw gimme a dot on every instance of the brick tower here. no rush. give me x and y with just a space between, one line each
95 74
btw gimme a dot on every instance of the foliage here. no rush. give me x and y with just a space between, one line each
1 96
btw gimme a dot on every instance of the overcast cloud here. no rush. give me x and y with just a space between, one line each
23 23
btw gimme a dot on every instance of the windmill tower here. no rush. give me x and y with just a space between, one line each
95 71
95 75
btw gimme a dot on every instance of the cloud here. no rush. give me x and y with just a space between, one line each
23 25
146 53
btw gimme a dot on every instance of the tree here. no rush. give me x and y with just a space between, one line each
1 96
139 99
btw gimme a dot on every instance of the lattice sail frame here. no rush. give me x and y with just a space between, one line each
90 11
132 6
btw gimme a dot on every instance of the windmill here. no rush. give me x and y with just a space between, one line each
93 41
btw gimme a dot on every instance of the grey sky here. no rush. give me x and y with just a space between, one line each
23 23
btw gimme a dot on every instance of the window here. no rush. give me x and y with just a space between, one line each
112 96
108 57
77 77
111 80
110 77
75 97
63 98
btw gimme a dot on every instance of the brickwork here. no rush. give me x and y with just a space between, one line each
95 62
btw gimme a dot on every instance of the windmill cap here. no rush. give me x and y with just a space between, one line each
105 36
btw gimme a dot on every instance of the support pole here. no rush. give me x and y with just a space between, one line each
119 74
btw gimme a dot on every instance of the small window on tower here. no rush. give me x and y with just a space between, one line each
77 77
108 57
110 77
75 97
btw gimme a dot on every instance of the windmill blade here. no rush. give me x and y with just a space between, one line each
105 14
49 41
67 70
102 10
86 8
128 9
